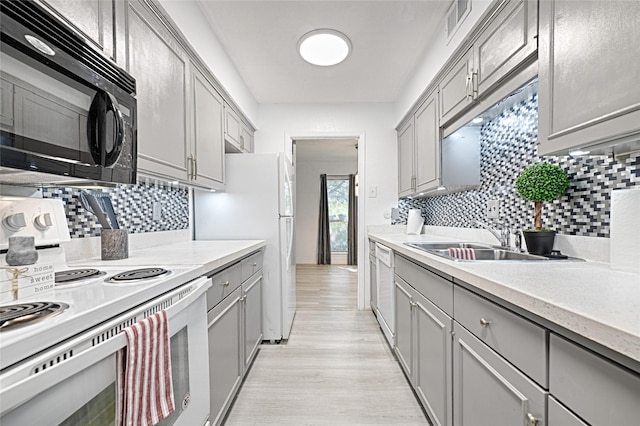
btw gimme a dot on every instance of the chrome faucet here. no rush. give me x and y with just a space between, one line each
503 235
518 241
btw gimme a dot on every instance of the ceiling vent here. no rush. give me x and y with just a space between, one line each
456 15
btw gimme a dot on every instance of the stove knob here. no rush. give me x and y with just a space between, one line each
14 222
43 221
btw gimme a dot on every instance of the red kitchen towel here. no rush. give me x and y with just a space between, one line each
462 253
145 389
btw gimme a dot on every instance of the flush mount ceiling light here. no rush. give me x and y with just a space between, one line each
324 47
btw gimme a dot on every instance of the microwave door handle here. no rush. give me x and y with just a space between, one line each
102 104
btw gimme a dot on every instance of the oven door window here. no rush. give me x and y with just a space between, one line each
48 114
89 396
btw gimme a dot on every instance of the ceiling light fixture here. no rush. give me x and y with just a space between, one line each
324 47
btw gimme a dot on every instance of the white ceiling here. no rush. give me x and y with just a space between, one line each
327 150
389 38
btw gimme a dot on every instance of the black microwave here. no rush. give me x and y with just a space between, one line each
67 113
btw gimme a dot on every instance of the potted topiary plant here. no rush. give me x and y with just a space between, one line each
541 182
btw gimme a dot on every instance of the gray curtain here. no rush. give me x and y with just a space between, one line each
352 229
324 238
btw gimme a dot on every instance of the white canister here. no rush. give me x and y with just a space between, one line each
414 222
625 230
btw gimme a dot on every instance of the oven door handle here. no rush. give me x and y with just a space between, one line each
16 394
102 104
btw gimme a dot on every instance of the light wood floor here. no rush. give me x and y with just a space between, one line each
336 368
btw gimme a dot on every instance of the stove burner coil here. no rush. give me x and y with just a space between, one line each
28 313
138 274
76 275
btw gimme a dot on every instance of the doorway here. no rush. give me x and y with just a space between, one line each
337 158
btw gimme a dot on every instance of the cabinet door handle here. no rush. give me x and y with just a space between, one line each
255 264
243 298
412 304
468 86
484 323
474 85
225 284
531 420
195 167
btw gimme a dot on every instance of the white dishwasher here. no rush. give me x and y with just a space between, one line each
386 293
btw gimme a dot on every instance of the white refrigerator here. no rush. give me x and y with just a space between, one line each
258 203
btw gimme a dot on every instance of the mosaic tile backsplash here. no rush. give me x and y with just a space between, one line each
133 205
507 146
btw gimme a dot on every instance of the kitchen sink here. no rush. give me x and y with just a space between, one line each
445 246
482 252
491 254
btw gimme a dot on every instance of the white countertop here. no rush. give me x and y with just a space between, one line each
586 298
211 254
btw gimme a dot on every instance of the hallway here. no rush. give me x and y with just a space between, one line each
335 369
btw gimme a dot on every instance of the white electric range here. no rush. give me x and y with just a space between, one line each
81 319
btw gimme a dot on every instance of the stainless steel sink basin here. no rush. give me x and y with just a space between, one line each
490 254
482 252
445 246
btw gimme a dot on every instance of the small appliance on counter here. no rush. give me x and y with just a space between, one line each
66 338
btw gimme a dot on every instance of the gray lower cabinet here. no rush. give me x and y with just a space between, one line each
225 357
559 415
252 319
404 326
597 390
234 304
488 391
588 73
423 348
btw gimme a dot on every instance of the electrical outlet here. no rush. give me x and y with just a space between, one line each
157 211
493 209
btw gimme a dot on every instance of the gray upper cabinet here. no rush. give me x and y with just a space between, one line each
589 73
456 88
509 40
246 138
406 182
232 129
427 145
208 134
180 113
159 65
95 20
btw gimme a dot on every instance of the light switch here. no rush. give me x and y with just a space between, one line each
373 191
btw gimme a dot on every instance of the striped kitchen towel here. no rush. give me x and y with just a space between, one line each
145 389
463 253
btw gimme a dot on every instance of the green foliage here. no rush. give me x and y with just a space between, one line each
542 182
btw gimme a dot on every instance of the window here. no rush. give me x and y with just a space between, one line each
338 198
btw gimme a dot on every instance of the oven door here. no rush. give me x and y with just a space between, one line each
75 383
